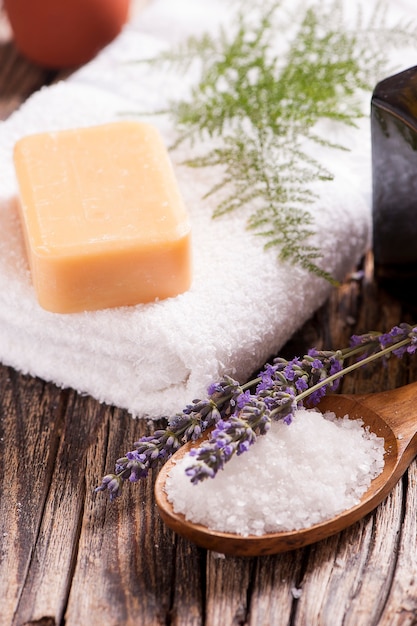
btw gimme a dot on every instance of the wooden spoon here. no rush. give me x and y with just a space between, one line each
389 414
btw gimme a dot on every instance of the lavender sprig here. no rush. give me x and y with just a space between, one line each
240 413
186 426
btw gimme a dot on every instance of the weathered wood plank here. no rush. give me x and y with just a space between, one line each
187 587
125 555
49 574
227 584
275 588
30 421
18 76
348 576
401 604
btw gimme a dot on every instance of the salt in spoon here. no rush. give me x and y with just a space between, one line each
389 414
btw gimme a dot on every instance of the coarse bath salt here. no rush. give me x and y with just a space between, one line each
295 476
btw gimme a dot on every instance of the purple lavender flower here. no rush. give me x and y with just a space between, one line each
336 366
232 437
388 338
301 384
360 340
112 484
214 388
289 373
317 364
315 397
399 333
399 352
188 425
267 377
243 399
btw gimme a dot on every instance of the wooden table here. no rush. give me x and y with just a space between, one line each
70 557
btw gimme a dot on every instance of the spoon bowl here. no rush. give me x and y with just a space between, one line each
389 414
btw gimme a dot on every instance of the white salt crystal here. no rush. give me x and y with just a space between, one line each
291 478
296 592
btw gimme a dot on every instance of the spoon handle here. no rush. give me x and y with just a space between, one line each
398 408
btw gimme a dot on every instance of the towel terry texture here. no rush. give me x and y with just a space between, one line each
243 305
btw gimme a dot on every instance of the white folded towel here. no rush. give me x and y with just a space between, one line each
243 305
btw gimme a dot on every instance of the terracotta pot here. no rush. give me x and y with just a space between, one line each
64 33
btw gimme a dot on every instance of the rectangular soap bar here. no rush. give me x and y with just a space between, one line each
103 219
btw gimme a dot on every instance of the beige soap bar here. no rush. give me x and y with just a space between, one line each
103 218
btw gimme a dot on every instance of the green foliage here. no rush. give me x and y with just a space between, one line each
260 107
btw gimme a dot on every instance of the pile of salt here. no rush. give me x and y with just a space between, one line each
292 478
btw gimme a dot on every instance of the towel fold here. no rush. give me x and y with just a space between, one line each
243 304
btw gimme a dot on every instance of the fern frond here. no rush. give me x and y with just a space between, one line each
260 107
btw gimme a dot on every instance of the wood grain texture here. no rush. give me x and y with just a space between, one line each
70 558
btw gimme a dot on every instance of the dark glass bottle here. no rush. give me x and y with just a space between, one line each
394 178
